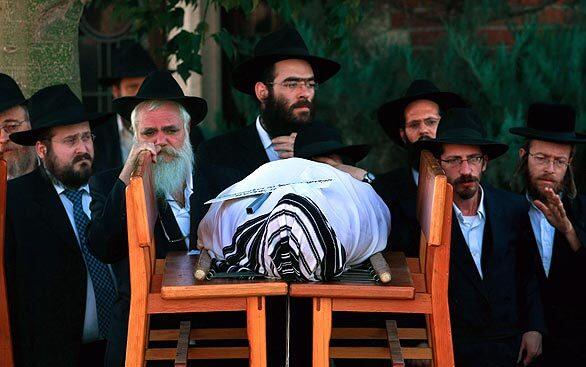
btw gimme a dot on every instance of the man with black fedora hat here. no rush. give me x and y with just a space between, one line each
557 215
302 231
406 120
495 307
61 296
20 160
131 64
161 117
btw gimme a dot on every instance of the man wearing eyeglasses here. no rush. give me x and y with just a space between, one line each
411 118
61 296
20 160
495 307
557 216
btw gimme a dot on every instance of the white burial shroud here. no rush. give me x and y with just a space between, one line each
359 217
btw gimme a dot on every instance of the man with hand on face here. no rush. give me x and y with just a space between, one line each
411 118
495 306
161 117
61 296
14 117
557 216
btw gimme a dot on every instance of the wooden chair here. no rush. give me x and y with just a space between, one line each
418 286
7 358
175 290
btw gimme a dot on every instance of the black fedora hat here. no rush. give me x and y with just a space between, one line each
318 139
55 106
160 85
129 60
463 126
280 45
550 122
10 93
391 115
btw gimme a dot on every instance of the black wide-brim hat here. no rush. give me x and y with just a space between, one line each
129 60
161 86
462 126
10 93
551 122
318 139
280 45
391 115
55 106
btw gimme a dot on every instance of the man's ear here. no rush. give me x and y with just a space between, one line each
115 90
403 135
522 152
261 91
41 149
484 163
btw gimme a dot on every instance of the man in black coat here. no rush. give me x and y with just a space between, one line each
495 306
161 116
130 66
60 295
406 120
557 215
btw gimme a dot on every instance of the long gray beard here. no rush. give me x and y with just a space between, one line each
24 163
169 177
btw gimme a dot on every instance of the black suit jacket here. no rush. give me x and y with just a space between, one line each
108 241
399 191
46 274
504 303
563 298
223 161
107 152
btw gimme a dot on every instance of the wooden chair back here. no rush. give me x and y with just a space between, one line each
7 358
141 214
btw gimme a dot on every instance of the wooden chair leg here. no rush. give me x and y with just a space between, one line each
181 356
394 344
256 329
322 331
137 338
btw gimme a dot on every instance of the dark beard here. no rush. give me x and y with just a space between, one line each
69 177
467 193
278 120
414 155
533 190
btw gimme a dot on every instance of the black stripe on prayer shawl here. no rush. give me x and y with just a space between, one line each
251 242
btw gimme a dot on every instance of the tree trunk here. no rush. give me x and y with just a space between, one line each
38 42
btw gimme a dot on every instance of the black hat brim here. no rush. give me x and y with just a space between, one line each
246 74
13 102
195 106
30 137
555 137
491 148
355 152
390 114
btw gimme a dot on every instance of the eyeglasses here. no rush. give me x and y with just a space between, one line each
429 122
456 162
543 160
294 84
11 126
72 141
169 240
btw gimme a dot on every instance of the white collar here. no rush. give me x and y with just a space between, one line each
61 188
187 192
264 136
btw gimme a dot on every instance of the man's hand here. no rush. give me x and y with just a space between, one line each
131 161
554 211
284 145
530 346
357 173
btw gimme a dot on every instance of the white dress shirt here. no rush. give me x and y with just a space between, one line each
182 213
265 139
91 331
544 234
473 231
415 174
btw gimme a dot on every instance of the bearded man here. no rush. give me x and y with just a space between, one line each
557 215
14 117
61 296
161 116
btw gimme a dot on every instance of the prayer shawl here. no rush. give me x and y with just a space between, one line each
302 231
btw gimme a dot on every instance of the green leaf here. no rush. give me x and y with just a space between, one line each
224 39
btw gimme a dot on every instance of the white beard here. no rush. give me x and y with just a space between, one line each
170 177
